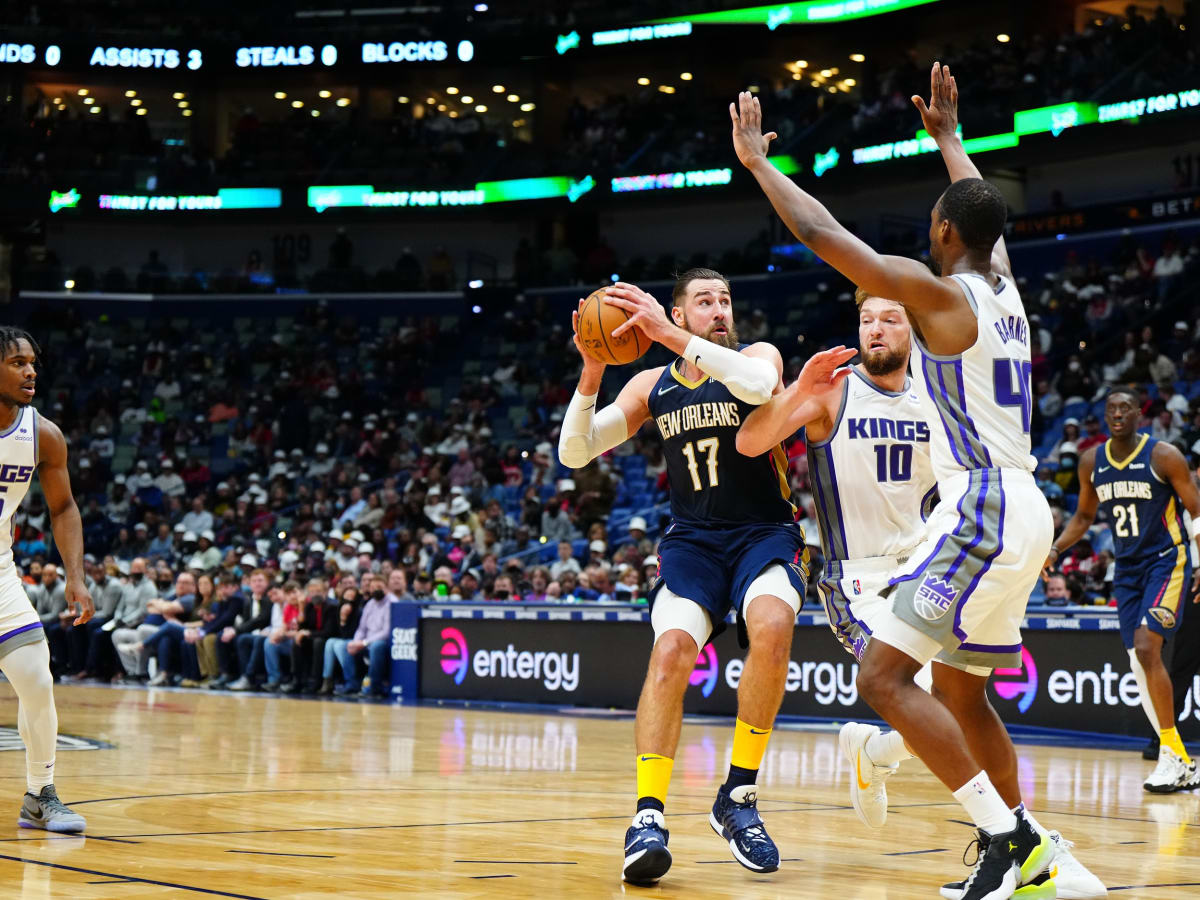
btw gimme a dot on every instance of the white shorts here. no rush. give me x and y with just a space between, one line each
674 612
962 595
852 591
19 622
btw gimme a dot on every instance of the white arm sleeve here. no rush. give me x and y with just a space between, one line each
748 378
585 433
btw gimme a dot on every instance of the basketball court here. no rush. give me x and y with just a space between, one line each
262 797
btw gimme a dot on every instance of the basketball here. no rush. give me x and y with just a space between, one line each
597 321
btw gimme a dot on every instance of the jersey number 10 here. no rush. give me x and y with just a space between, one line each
893 463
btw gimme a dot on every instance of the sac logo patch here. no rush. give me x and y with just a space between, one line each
1162 616
934 597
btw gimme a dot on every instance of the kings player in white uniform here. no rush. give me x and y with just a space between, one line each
873 489
965 588
30 443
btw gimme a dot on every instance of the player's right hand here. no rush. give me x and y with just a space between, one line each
940 117
1048 565
590 363
824 371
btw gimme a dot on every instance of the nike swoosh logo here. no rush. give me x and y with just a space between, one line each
648 758
1103 469
752 731
586 408
662 391
862 785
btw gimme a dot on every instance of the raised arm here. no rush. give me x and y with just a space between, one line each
812 397
904 280
64 515
940 118
1085 512
586 433
1170 465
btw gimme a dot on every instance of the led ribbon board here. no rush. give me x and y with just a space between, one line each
697 178
811 13
224 199
323 197
1052 120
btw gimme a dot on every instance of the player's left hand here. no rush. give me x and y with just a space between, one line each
77 595
1196 586
644 312
749 142
824 371
940 117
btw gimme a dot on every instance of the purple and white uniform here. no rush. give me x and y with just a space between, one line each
19 623
962 595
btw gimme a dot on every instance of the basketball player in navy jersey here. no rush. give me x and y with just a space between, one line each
30 443
1141 484
733 542
966 586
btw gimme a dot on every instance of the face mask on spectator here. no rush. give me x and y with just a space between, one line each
377 595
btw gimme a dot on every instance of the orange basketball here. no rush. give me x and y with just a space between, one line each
597 321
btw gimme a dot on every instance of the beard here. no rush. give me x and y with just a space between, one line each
729 339
883 363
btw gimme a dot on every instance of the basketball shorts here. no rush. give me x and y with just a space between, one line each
1151 592
853 592
19 622
962 595
714 566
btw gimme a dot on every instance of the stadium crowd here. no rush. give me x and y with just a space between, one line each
247 523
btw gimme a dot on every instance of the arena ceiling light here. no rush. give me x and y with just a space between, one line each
178 95
441 107
643 81
512 98
1003 38
297 104
82 92
315 113
88 101
685 76
183 104
481 108
345 101
666 89
451 90
187 112
94 109
280 95
402 99
850 82
141 111
131 93
857 57
468 99
497 89
528 107
324 95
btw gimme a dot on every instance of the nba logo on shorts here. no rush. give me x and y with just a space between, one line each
933 598
857 586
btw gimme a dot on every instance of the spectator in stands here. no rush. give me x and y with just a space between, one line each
221 614
1056 590
106 590
281 641
251 643
1164 428
163 544
566 561
169 481
207 556
1092 435
371 637
198 519
49 600
233 653
131 644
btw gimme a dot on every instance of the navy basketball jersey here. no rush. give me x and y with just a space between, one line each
711 483
1141 508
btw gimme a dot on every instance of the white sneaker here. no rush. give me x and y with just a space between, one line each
1071 877
1171 774
158 680
868 791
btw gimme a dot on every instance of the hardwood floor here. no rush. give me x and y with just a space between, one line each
249 796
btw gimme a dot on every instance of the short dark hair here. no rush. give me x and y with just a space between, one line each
682 282
977 211
9 338
1121 389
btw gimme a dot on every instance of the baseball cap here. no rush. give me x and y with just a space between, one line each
1068 447
322 447
351 543
637 523
366 547
566 484
189 537
650 560
316 547
357 535
181 528
460 505
597 546
208 533
85 463
248 560
167 464
140 526
1070 420
460 532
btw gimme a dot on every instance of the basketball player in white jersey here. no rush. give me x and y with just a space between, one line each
873 488
966 586
29 442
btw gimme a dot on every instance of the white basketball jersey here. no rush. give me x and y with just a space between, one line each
979 403
873 484
18 460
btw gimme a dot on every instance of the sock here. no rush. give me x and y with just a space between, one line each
749 747
983 804
1139 675
1169 737
653 777
887 749
38 775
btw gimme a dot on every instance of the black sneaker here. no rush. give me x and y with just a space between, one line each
647 858
47 812
1011 861
735 817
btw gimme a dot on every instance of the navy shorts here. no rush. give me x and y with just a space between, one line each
1151 592
715 565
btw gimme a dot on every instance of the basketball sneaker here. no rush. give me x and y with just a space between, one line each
735 817
646 855
1072 879
1010 865
1172 774
47 812
868 792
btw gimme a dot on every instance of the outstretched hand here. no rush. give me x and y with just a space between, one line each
749 142
824 371
644 312
940 117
